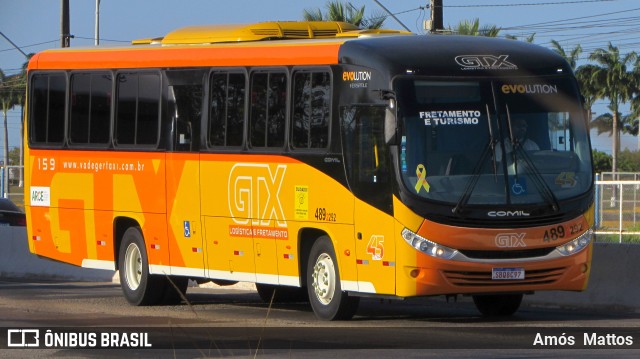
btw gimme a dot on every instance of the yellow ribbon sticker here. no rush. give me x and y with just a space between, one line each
422 179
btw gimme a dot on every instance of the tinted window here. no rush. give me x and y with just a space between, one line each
47 108
268 109
185 94
138 109
311 109
90 108
226 115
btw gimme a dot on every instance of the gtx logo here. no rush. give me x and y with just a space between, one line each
485 62
254 194
510 240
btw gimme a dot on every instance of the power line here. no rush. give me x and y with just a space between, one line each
529 4
13 44
32 45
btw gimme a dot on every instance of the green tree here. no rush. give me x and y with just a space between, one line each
629 161
616 85
21 86
601 161
571 56
589 86
472 28
346 12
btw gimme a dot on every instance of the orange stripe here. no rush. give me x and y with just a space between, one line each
316 54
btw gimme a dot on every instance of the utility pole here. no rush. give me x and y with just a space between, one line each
437 24
97 35
65 36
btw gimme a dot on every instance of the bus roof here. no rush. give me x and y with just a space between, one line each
454 55
218 45
315 43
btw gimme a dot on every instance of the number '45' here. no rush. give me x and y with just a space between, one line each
375 247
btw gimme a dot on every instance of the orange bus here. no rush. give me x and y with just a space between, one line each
319 161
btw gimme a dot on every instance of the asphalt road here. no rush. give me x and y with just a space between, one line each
220 322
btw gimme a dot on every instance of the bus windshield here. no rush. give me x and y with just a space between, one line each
493 142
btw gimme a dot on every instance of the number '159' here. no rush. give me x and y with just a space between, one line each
46 164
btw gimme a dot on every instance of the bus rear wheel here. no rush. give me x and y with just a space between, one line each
499 305
327 299
138 286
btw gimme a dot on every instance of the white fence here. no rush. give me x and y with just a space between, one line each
618 207
14 190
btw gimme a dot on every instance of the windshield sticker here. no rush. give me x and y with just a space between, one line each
403 154
485 62
421 172
518 186
566 180
530 89
444 118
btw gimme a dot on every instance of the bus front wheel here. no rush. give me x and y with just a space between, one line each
138 286
327 299
500 305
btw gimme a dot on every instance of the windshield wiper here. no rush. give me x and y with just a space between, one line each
541 185
477 170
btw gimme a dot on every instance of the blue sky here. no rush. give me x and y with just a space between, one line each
34 25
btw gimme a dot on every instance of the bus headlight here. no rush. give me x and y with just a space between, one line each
426 246
577 244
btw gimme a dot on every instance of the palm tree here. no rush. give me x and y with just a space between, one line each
472 28
528 39
571 57
616 84
635 103
589 85
21 96
346 12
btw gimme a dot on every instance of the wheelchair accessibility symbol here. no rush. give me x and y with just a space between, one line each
518 186
187 229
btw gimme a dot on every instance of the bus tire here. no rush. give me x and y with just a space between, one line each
283 294
138 286
327 299
499 305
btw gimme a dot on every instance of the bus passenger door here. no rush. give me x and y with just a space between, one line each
183 174
368 171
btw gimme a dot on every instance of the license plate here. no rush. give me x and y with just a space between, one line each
507 273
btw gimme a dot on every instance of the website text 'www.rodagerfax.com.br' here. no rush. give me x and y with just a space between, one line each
99 166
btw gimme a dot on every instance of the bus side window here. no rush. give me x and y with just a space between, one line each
268 109
226 109
185 99
138 109
365 148
311 109
90 108
46 115
366 154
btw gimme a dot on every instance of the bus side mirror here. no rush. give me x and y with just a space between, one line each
390 123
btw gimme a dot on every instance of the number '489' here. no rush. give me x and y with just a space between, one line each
553 234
